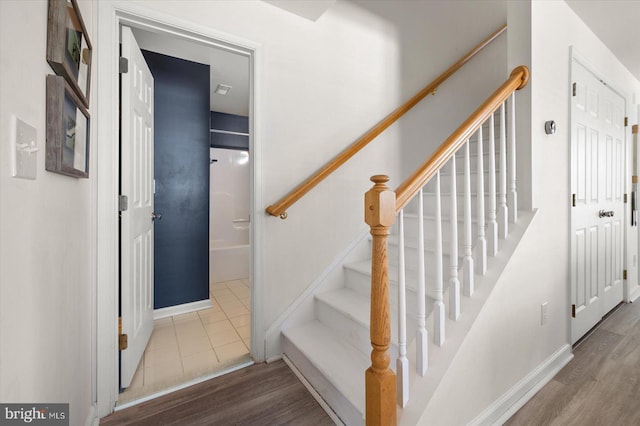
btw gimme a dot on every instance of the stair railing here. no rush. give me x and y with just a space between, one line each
383 389
280 208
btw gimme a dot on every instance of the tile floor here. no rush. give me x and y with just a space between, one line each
187 346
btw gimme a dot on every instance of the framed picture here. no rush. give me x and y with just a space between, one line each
68 46
67 143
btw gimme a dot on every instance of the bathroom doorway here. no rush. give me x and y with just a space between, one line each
198 334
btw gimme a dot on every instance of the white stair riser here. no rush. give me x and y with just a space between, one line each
361 283
445 182
430 202
429 247
341 405
411 259
411 232
473 162
356 334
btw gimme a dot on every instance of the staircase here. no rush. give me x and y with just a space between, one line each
379 345
333 351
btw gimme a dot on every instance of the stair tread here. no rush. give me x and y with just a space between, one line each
340 363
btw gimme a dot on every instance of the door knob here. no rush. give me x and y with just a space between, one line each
156 216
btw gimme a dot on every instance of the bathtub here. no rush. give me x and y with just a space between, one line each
229 259
229 216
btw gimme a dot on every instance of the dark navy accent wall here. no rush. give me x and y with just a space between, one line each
229 123
181 162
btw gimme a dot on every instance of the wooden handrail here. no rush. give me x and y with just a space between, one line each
280 208
407 189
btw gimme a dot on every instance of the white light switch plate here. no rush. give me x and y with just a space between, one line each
25 150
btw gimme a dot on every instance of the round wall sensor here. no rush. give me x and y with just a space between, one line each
550 127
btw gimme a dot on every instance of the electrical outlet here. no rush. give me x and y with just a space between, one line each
544 316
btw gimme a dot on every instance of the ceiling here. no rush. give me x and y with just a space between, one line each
311 10
617 24
230 68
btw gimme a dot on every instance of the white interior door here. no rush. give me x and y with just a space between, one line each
136 238
597 179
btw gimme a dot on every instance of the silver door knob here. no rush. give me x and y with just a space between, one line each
156 216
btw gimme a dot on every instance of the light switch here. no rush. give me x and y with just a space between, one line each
25 150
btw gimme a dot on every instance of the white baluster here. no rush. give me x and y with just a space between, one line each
492 225
454 282
402 363
438 305
512 194
503 224
467 260
422 337
481 240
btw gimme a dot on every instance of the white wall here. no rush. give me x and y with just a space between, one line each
46 249
433 35
507 341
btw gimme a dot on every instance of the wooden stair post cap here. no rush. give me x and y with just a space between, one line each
380 203
379 179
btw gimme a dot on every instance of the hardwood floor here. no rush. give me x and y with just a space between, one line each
600 386
263 394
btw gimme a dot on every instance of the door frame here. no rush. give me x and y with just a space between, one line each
112 14
576 56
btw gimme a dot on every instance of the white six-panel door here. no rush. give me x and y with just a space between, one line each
136 237
597 187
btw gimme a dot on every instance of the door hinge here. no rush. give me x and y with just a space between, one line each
624 274
123 65
573 91
626 121
573 200
123 342
123 203
573 311
625 198
123 339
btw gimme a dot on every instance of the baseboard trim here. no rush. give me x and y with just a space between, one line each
184 385
635 293
92 417
506 406
313 392
274 359
185 308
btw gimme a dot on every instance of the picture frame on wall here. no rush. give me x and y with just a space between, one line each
67 130
69 49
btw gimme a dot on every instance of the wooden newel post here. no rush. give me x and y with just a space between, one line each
380 381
